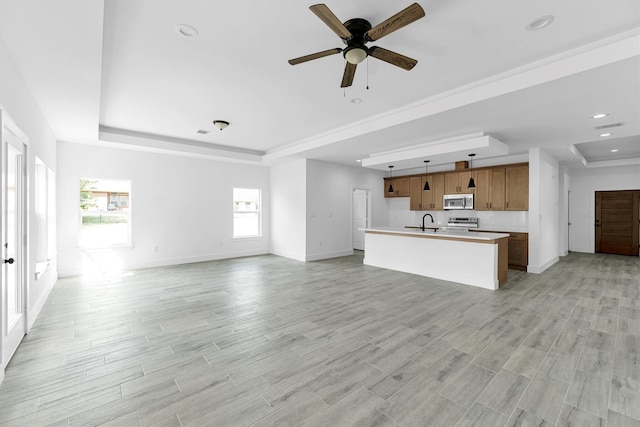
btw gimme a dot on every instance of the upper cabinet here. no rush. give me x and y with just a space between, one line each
498 188
517 188
420 200
400 187
415 193
432 199
457 182
490 189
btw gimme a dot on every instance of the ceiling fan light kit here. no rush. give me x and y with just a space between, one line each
356 33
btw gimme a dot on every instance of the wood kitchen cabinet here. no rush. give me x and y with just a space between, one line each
400 187
415 193
420 200
457 183
518 251
490 189
517 188
498 188
432 199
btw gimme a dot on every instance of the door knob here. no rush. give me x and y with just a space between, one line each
9 261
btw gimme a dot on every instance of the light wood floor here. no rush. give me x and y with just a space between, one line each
270 341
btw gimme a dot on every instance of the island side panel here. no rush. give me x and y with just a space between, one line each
468 262
503 260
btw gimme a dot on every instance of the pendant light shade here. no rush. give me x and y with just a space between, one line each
390 190
426 181
472 183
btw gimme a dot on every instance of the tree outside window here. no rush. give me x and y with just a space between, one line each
105 212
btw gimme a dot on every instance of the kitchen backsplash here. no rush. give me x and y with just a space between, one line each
400 216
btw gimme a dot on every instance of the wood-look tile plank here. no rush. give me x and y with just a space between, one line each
543 398
479 416
503 391
383 347
589 393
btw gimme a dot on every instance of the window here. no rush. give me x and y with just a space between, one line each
42 232
247 205
51 214
105 212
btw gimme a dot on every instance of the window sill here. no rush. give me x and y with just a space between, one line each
247 238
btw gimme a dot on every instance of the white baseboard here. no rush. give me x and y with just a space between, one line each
537 269
37 307
582 250
327 255
173 261
191 260
290 255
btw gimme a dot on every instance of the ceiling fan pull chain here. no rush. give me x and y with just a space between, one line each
367 72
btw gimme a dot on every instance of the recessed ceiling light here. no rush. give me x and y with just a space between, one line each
356 101
615 150
185 30
599 115
605 134
358 160
539 23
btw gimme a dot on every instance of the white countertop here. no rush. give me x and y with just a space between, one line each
467 235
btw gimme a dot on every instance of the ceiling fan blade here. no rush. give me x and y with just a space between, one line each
397 21
349 73
325 14
296 61
392 58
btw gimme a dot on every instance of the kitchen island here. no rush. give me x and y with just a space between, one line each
473 258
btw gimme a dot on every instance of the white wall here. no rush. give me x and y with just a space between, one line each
17 101
289 209
329 193
400 216
563 212
182 205
543 210
584 184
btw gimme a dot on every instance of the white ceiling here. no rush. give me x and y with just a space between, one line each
116 71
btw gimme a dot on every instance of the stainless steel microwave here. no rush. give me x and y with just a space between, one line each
458 201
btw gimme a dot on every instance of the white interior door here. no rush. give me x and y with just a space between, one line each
360 216
13 208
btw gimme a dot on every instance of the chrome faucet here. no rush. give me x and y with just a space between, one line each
423 216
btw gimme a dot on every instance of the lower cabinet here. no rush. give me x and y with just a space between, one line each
518 251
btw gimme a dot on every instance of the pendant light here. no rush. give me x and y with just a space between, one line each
390 190
426 182
472 183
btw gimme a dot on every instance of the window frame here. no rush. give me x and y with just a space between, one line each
257 212
127 211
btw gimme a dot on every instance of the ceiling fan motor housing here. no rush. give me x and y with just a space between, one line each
356 51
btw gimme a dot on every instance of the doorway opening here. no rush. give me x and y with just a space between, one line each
360 216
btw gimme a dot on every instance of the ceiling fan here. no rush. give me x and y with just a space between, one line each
356 33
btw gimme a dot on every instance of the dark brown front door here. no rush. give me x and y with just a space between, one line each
617 222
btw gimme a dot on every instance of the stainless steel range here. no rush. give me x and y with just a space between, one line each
462 223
